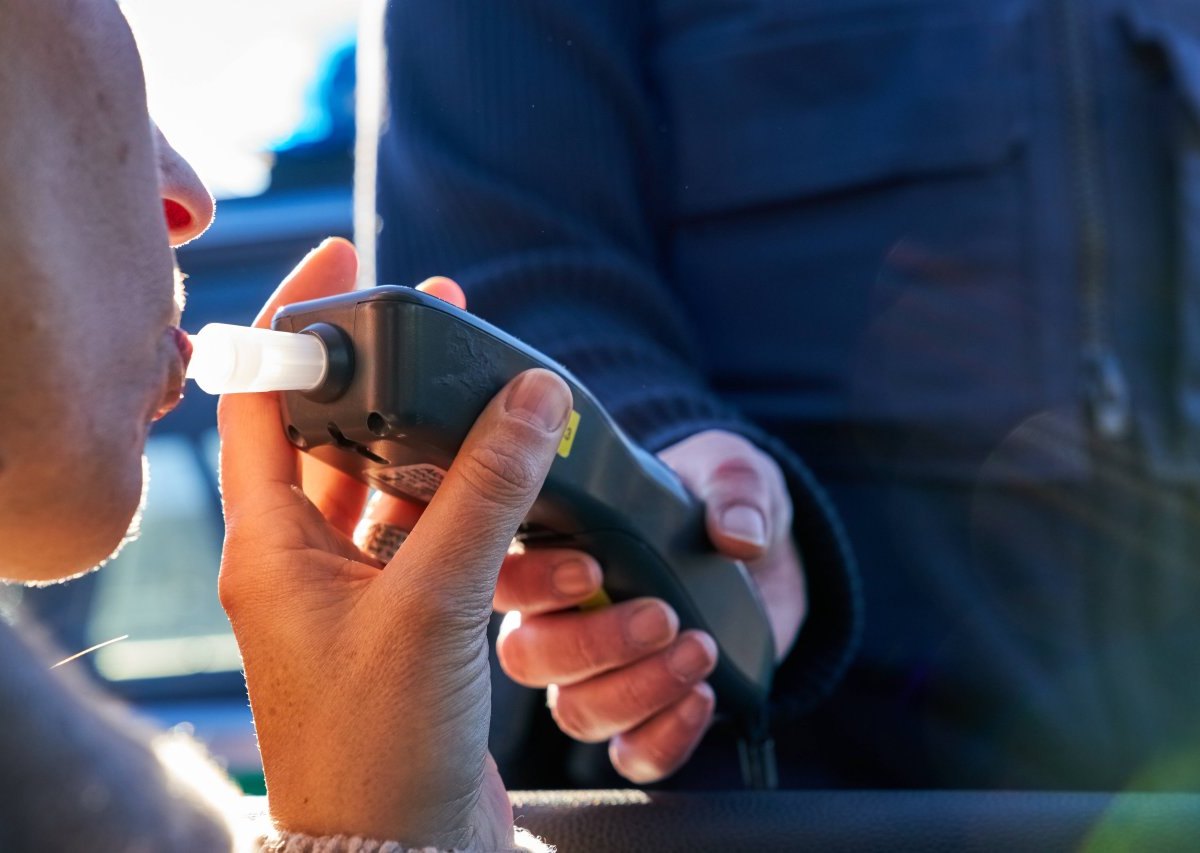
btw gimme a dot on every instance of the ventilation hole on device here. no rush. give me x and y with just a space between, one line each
338 438
344 443
374 457
294 436
378 424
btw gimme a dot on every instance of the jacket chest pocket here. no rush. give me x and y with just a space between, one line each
776 100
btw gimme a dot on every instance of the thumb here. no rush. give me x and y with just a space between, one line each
747 505
466 529
257 462
738 513
445 289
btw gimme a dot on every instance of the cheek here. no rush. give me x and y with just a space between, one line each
74 475
109 492
108 477
102 516
83 499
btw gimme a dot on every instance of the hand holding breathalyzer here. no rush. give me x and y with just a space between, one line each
625 674
378 669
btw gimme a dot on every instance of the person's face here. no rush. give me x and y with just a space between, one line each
105 354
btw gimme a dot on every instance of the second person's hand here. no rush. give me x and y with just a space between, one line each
625 674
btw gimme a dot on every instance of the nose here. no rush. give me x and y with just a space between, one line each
188 206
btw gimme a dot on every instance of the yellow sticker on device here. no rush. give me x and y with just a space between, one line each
568 439
595 601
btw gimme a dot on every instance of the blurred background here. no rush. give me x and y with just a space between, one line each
260 98
232 83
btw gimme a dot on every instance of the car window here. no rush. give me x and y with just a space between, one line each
161 591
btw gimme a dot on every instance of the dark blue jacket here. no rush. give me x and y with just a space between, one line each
951 241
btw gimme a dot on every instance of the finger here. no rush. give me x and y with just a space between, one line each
257 464
604 706
398 512
330 268
741 502
385 526
498 472
664 743
444 289
746 501
566 648
256 458
544 580
338 496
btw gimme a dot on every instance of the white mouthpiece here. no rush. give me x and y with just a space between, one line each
235 359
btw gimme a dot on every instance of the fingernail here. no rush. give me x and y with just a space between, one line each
540 398
692 657
694 709
651 624
746 524
573 579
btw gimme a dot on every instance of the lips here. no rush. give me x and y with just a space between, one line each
173 391
184 344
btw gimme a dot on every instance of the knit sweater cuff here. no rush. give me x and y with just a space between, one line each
295 842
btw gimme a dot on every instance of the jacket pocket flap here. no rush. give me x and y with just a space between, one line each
839 101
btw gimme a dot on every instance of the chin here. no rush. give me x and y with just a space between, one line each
83 535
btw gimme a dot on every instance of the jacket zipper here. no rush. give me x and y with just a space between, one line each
1106 389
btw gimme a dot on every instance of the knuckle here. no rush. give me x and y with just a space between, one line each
634 697
503 600
639 759
630 765
525 583
510 658
233 584
740 473
573 718
228 592
660 754
513 659
510 595
499 473
627 762
585 654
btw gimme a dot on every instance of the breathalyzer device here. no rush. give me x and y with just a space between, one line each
385 383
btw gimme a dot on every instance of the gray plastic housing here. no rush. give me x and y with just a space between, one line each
419 373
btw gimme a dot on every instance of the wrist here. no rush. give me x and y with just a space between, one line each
325 813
